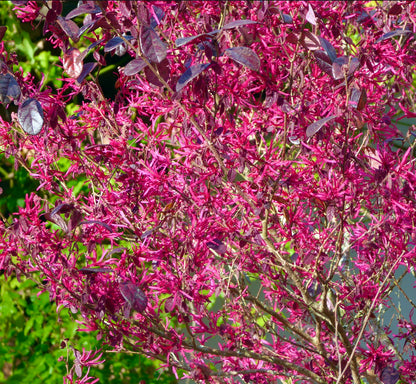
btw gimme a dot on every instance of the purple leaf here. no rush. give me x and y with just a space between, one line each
358 99
70 28
310 15
164 72
133 296
238 23
217 246
152 47
190 74
95 270
244 56
344 65
106 226
82 9
323 61
134 66
201 37
115 42
86 70
396 32
389 375
30 116
9 89
86 51
157 16
2 32
317 125
310 41
329 49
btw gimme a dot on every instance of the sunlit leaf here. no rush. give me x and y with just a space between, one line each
30 115
72 64
69 27
9 88
317 125
310 15
116 42
190 74
86 70
244 56
82 9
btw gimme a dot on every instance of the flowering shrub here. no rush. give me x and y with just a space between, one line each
240 206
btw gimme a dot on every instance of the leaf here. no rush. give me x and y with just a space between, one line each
9 88
134 296
389 375
86 70
106 226
2 32
244 56
190 74
70 28
72 64
323 61
134 66
344 65
317 125
152 47
310 41
238 23
396 32
157 16
95 270
358 99
310 15
329 49
201 37
30 116
217 246
82 9
115 42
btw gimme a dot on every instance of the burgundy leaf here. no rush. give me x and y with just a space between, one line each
69 27
344 65
116 42
152 47
30 116
95 270
358 98
310 15
88 50
86 70
389 375
329 49
323 61
9 88
163 70
2 32
82 9
396 32
157 16
217 246
244 56
317 125
310 41
134 66
238 23
197 38
134 296
190 74
106 226
72 64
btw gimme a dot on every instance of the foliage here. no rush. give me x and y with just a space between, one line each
248 199
33 337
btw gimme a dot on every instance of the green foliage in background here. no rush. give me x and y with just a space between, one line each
31 336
